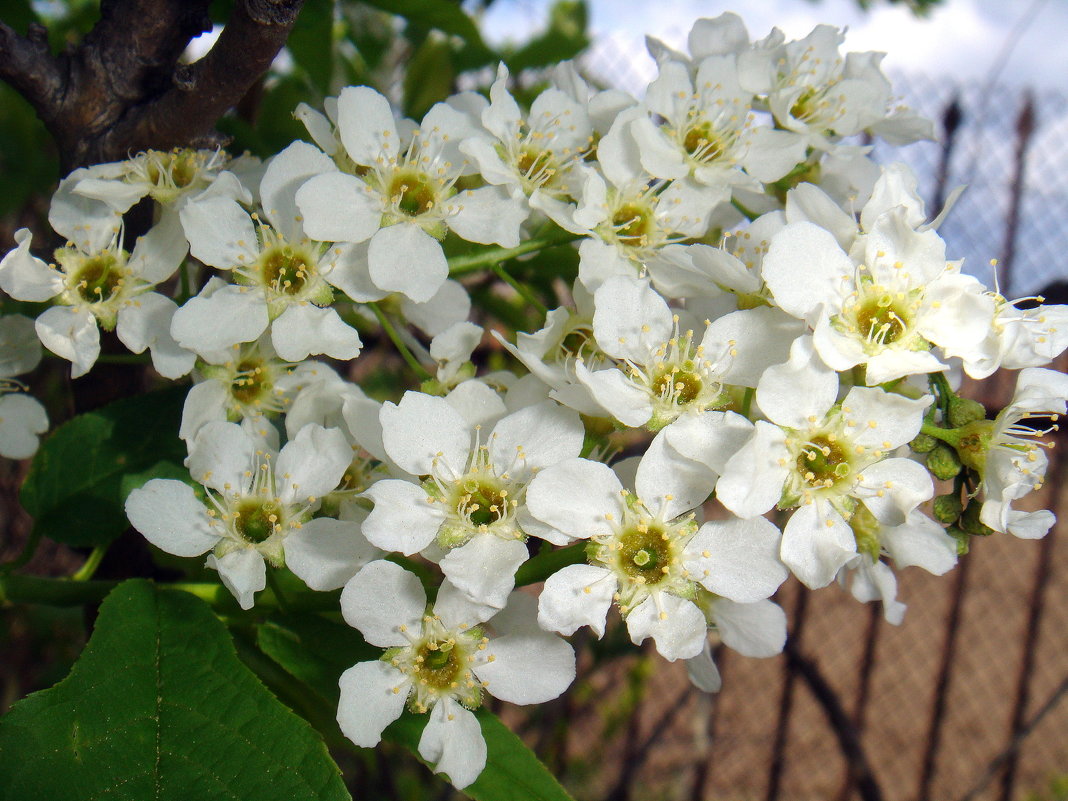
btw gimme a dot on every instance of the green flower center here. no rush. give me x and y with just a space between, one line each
679 385
880 319
645 552
702 143
250 383
632 223
823 462
285 269
412 193
99 278
536 165
439 664
482 502
257 520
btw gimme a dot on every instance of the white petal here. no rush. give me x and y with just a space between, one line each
382 601
753 479
703 672
576 596
326 553
404 258
304 330
372 697
489 216
484 568
221 456
711 438
669 483
453 740
422 429
631 320
742 561
403 519
22 419
803 249
285 174
816 543
338 207
26 277
243 572
757 629
214 322
168 513
510 673
220 233
676 625
920 541
803 387
576 497
366 125
545 434
72 335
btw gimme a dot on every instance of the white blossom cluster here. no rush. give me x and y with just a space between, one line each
753 375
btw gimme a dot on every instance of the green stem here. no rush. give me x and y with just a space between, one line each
747 400
947 435
940 384
750 215
86 571
524 292
391 332
473 262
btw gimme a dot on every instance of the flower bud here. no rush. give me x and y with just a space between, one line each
965 410
969 521
947 508
943 462
961 537
923 443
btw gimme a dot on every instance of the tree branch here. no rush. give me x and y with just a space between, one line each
187 112
121 90
27 64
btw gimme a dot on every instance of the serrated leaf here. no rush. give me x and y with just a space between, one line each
318 651
159 706
75 489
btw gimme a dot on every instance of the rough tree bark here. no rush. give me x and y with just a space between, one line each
121 89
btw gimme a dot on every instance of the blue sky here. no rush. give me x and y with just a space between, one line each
962 37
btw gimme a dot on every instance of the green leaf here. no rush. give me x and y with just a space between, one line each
565 38
315 650
446 16
311 42
429 77
75 489
159 706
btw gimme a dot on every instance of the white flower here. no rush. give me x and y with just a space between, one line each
647 552
534 155
284 278
440 660
885 311
404 197
1010 465
95 282
825 458
470 499
257 499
